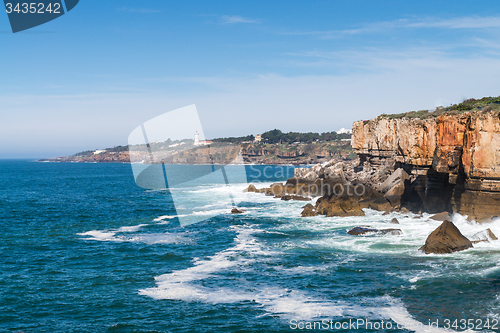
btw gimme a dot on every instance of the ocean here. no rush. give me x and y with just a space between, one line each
84 249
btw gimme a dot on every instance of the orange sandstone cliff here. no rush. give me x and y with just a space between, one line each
453 160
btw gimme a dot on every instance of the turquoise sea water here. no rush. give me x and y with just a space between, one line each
84 249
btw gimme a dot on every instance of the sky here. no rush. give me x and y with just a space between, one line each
87 79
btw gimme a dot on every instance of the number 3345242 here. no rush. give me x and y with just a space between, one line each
33 8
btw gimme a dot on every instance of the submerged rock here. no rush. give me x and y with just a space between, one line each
359 231
483 236
443 216
236 211
446 239
295 197
394 221
250 188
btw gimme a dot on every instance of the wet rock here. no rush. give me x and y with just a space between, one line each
446 239
308 211
379 205
360 231
443 216
342 205
236 211
483 236
250 188
404 210
277 190
394 221
287 197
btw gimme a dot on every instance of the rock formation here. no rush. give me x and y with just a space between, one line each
360 231
446 239
452 161
394 221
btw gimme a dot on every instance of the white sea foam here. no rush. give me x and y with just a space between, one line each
187 285
176 285
98 235
132 228
128 234
152 238
163 217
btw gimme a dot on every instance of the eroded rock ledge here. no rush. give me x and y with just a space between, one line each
453 161
445 164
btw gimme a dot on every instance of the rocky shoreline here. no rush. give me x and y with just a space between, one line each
441 165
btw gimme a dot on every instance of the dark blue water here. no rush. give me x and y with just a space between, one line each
84 249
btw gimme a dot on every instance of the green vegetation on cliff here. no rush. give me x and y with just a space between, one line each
470 105
277 136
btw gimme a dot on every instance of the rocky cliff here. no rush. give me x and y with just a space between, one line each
220 153
453 161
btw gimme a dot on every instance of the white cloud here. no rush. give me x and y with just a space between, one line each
237 19
474 22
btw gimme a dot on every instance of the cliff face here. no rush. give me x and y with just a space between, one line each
454 160
222 153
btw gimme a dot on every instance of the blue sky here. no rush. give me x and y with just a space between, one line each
86 80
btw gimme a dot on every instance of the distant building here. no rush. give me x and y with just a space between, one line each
258 138
177 144
196 139
344 131
97 152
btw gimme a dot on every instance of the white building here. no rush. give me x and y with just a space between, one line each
344 131
196 139
258 138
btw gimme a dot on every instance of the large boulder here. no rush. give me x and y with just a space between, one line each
342 205
373 199
308 211
446 239
397 177
394 187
